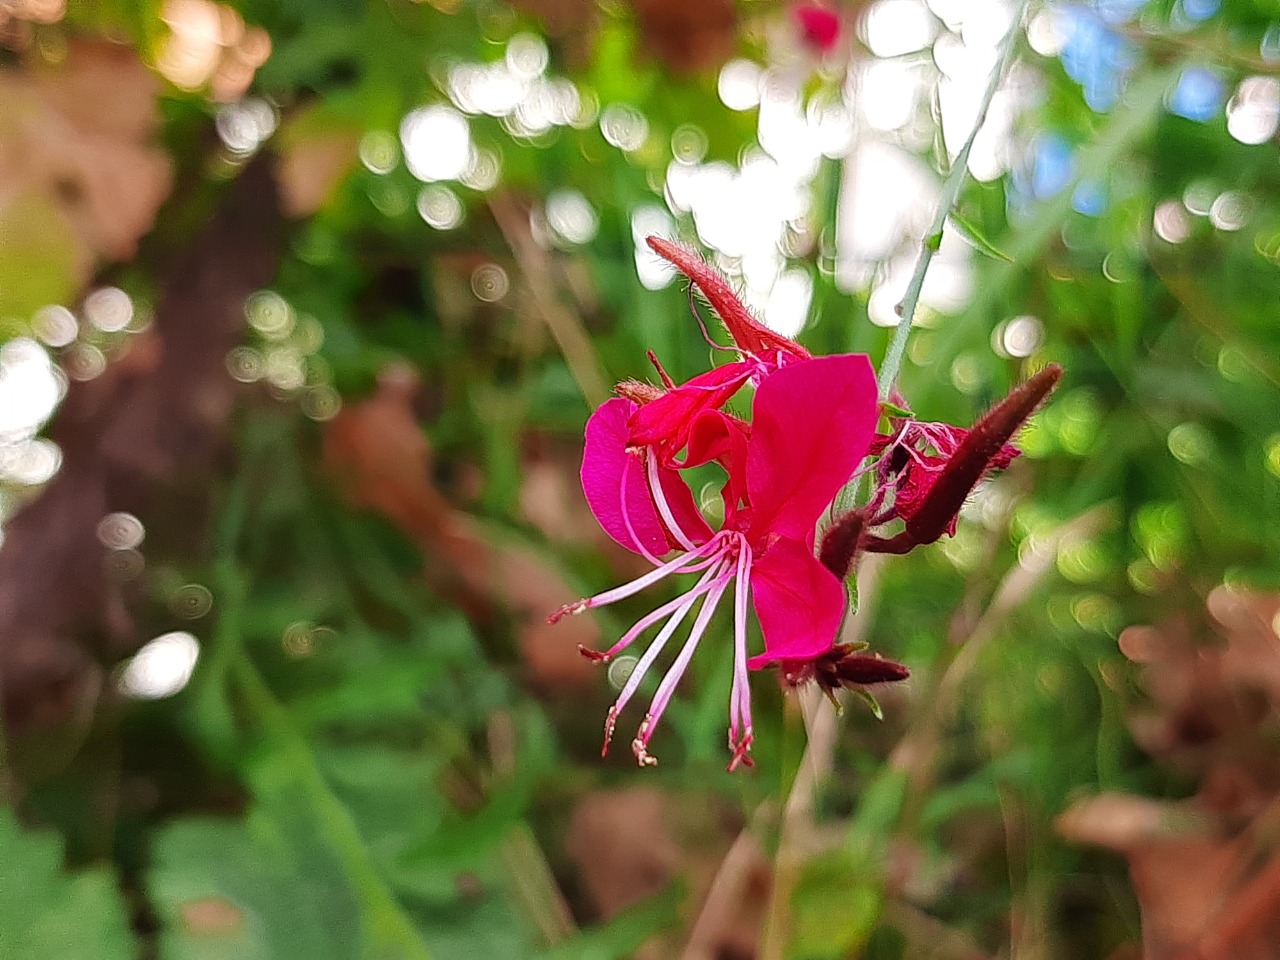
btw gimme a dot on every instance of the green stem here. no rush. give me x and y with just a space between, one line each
7 793
388 926
946 202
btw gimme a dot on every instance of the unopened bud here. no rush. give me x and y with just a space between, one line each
978 452
842 543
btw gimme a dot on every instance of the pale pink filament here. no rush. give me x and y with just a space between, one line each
740 696
626 514
664 508
640 745
685 604
724 559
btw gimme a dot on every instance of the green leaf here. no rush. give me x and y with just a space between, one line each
894 412
47 913
251 889
837 903
623 935
872 702
971 232
879 805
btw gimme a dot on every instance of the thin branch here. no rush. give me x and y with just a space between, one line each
929 935
946 202
564 326
821 726
724 897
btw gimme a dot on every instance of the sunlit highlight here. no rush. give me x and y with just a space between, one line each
1253 113
437 143
161 668
109 309
210 45
29 389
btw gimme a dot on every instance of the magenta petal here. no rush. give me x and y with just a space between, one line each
666 420
811 426
603 460
717 436
798 601
714 435
819 26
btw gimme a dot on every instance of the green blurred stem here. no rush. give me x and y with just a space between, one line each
6 786
817 758
388 925
946 202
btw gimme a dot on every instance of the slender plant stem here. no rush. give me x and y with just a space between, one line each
817 757
946 202
7 790
389 928
564 325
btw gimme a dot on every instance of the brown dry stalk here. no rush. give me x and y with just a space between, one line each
565 328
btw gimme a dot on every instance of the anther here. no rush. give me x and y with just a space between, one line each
639 745
610 721
741 751
569 610
643 757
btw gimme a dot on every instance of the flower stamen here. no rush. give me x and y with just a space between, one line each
664 508
646 661
740 696
685 563
667 687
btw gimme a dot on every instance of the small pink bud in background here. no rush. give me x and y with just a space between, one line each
819 25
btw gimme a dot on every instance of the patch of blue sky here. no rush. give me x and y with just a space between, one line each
1046 169
1118 11
1197 10
1052 165
1089 198
1198 95
1095 55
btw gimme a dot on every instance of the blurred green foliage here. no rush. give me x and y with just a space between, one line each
358 769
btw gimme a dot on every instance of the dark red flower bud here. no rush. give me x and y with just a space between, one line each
841 543
978 451
748 333
844 665
865 669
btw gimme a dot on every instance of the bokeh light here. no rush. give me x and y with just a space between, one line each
120 531
489 283
436 142
571 216
161 668
109 309
440 207
29 389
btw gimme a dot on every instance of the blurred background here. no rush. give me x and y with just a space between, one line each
303 307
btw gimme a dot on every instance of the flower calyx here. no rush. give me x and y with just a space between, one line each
929 489
844 666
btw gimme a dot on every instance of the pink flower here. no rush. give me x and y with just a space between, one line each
819 26
812 425
663 422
